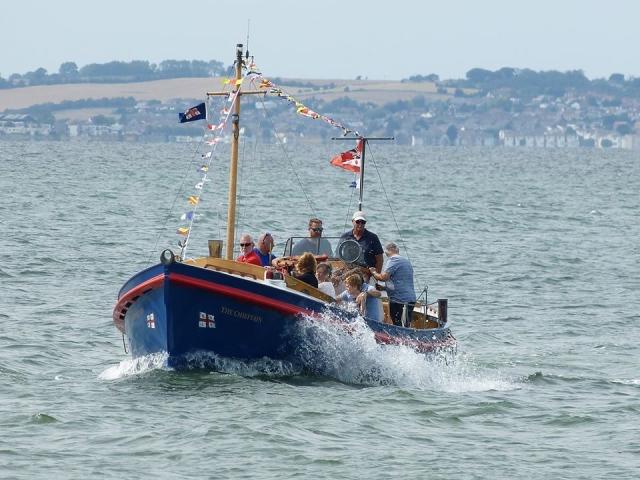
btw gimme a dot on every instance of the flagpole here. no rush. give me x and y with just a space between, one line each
364 147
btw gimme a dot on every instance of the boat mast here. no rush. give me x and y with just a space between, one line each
235 136
233 166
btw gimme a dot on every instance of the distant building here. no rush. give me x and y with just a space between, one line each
21 124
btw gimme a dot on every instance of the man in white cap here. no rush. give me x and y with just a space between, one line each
369 242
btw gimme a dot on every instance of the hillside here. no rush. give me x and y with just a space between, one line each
377 92
505 107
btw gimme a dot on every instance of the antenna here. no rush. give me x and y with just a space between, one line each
248 28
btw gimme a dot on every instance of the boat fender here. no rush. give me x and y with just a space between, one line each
442 311
167 257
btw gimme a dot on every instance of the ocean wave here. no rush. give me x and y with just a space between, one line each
630 381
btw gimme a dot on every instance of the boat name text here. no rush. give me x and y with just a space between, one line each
240 314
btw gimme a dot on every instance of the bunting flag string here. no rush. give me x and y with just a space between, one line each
349 160
207 157
260 82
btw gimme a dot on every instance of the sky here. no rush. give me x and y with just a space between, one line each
328 39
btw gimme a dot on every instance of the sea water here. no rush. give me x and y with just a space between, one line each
537 251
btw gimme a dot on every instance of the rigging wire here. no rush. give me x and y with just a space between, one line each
248 227
286 154
175 198
205 178
194 158
401 240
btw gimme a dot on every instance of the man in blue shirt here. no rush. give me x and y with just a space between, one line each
369 242
265 246
398 273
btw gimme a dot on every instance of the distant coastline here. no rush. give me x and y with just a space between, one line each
508 107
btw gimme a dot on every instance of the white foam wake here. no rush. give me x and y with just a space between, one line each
244 368
135 366
324 347
355 357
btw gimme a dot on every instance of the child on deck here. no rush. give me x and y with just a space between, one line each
366 297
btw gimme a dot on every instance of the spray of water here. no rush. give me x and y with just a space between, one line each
135 366
245 368
325 348
354 357
201 361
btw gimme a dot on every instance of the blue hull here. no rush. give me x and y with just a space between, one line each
183 310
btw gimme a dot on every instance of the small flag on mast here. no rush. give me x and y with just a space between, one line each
349 160
199 112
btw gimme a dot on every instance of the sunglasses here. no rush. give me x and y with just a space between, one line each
316 229
246 244
361 222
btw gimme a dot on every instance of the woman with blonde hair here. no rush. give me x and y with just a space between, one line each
306 269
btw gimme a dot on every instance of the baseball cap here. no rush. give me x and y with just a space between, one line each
359 216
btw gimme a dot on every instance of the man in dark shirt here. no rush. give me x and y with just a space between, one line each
369 242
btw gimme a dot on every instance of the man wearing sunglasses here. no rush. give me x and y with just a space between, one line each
369 241
247 254
314 243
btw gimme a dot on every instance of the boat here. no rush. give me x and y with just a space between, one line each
214 305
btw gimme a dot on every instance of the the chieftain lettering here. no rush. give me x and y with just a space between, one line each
242 315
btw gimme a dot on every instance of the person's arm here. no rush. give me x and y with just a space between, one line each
382 277
373 292
379 262
377 250
362 296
